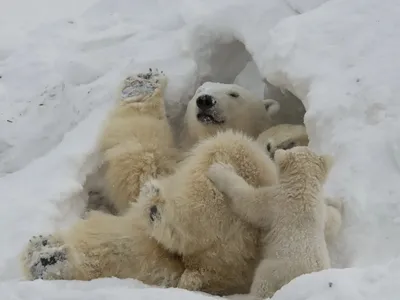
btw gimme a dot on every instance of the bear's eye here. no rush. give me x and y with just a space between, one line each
233 94
153 212
288 145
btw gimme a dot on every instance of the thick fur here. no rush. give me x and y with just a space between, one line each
136 144
230 107
137 141
188 215
283 136
287 136
102 245
292 214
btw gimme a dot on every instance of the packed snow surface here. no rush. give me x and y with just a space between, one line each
60 62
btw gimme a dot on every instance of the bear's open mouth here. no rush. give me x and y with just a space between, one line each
208 119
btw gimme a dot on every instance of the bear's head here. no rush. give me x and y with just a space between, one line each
283 136
301 162
217 106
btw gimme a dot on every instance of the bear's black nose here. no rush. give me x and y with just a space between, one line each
205 102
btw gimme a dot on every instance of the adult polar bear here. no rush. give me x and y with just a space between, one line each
136 147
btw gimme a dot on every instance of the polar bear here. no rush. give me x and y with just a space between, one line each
102 245
283 136
188 215
136 141
292 214
287 136
219 106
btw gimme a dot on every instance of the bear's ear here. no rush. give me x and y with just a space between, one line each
271 106
327 161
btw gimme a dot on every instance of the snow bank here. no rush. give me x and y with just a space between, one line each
346 72
340 58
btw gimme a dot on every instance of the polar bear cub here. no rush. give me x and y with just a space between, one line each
292 213
283 136
287 136
188 215
219 106
137 141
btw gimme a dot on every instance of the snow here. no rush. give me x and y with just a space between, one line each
60 62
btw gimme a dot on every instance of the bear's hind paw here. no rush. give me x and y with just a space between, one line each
137 87
45 258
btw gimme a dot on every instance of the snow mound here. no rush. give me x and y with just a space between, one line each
348 83
339 57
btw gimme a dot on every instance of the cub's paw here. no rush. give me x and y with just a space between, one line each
218 170
45 257
271 146
191 280
148 191
140 86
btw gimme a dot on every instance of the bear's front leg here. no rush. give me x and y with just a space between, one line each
45 257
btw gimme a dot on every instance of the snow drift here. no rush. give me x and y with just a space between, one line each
338 57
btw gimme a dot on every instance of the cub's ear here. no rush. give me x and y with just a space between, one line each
271 106
327 161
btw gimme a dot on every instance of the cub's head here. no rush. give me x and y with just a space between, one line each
303 162
283 136
218 106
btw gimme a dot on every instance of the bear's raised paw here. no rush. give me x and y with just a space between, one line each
45 257
137 87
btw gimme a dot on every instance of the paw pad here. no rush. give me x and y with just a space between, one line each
142 84
45 258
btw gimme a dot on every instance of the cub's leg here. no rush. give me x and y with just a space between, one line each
137 141
333 223
251 204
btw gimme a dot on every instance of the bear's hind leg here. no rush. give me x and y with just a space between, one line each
138 87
